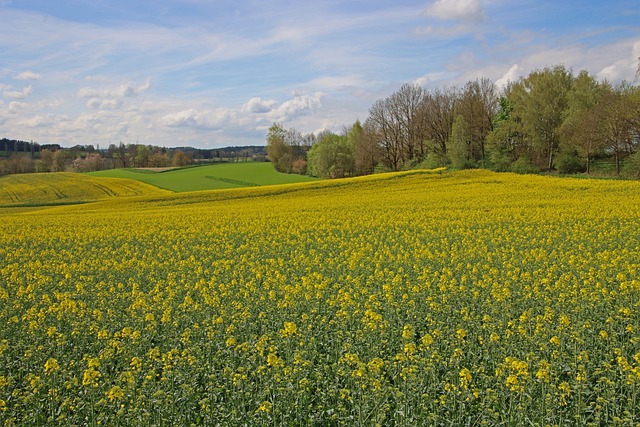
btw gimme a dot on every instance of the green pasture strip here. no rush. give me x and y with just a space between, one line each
209 177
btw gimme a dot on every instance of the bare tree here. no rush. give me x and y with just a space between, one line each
478 104
438 108
404 106
385 129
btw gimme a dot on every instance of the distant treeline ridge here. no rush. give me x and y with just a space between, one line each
26 157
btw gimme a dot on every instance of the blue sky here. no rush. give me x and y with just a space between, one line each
212 73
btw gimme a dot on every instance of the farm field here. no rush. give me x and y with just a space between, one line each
415 298
66 188
209 177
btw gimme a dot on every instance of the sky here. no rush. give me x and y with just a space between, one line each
216 73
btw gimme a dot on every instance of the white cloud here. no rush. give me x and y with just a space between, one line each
623 68
28 75
510 76
26 91
125 90
258 105
469 11
298 106
39 121
112 97
254 114
98 103
131 91
203 120
15 106
431 79
181 118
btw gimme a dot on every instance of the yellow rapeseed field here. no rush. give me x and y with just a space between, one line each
423 298
67 188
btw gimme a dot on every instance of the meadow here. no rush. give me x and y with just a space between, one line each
404 299
209 177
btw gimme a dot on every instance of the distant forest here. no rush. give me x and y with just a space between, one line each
551 121
26 157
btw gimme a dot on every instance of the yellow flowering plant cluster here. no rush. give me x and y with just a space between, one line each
67 188
421 298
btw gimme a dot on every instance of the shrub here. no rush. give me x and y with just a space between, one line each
569 163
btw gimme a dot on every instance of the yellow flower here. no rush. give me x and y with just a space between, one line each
565 390
465 378
93 362
265 407
543 371
273 360
114 393
290 328
90 377
513 384
136 363
427 340
51 365
407 332
375 365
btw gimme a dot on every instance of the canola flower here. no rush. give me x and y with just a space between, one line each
404 299
66 188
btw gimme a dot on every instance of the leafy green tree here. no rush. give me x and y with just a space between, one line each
616 116
506 142
333 156
142 156
278 151
459 151
569 162
580 131
542 104
632 166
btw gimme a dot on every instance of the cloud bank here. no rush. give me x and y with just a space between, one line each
220 73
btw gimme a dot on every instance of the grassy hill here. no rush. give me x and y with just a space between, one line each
67 188
209 177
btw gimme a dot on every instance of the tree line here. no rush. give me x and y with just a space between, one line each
549 121
27 157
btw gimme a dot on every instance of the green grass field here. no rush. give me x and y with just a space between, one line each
209 177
